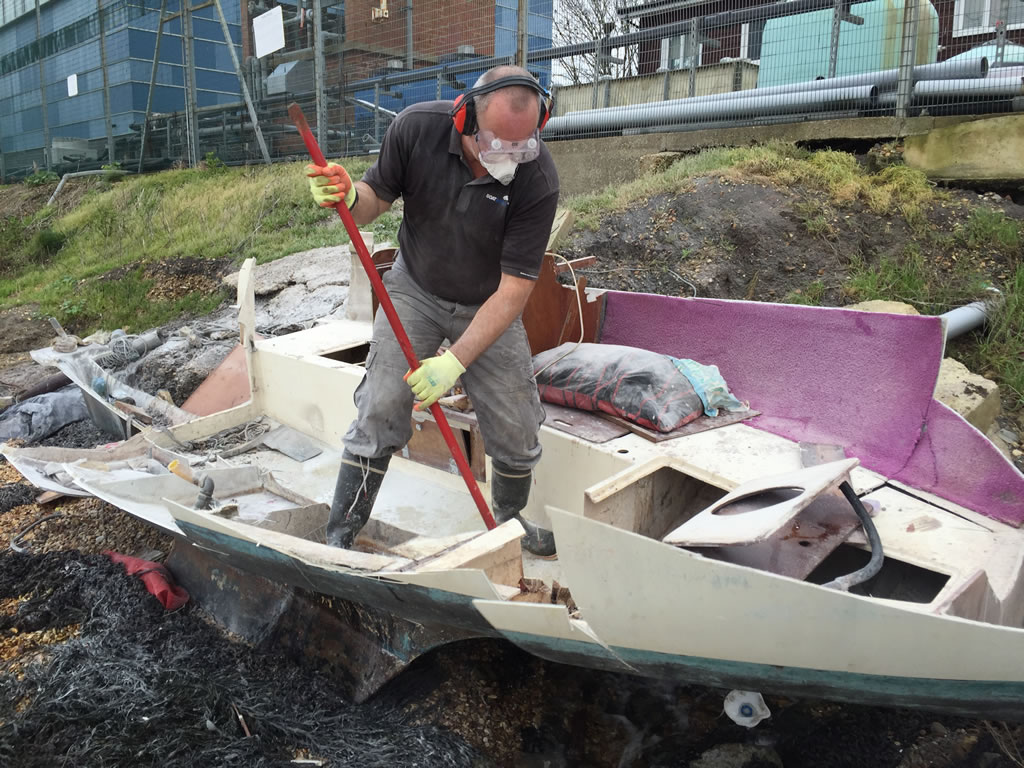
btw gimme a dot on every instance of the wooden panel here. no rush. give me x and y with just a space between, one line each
700 424
383 258
583 424
427 446
552 317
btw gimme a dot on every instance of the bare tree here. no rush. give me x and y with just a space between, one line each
581 21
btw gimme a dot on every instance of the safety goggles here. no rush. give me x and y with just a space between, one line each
494 149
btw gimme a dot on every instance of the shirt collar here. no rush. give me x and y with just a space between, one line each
455 142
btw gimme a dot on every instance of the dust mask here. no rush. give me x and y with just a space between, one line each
503 170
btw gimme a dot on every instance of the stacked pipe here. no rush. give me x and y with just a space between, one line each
869 92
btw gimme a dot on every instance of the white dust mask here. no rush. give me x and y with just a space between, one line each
503 170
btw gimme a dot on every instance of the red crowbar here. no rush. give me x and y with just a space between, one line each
299 119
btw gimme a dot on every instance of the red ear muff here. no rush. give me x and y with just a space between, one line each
459 113
545 112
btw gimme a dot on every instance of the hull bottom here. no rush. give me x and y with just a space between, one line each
997 700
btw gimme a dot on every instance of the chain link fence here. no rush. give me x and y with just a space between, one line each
150 84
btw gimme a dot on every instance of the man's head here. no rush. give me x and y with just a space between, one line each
513 112
500 127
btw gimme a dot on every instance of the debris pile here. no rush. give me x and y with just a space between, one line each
133 684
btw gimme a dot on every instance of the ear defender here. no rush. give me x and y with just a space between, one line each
463 112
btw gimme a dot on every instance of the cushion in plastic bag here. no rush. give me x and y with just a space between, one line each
643 387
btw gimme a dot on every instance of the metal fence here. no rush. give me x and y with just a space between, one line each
152 83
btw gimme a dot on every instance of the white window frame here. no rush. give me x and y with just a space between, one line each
666 41
988 20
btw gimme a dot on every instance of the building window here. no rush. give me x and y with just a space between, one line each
974 17
750 40
673 53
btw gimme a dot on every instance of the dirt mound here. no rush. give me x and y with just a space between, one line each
25 199
22 329
175 278
734 237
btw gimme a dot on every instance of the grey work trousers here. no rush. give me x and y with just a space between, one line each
500 382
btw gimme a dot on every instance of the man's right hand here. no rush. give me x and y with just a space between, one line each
330 184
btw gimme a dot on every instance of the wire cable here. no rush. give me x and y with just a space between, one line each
579 308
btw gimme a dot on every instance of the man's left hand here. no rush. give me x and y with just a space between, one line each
434 377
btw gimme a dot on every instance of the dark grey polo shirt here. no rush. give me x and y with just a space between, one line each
458 233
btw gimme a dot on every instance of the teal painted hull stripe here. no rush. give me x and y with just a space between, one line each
917 688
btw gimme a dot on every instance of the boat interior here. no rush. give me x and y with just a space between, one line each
719 488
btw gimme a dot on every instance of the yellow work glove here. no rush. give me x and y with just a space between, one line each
434 377
330 184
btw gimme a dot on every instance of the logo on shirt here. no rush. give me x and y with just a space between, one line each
495 199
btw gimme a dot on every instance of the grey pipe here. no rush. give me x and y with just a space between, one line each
963 319
371 106
756 121
1000 87
66 176
884 79
684 110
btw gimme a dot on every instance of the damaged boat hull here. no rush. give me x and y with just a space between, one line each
647 606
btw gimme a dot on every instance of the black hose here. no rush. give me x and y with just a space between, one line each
205 498
843 583
14 539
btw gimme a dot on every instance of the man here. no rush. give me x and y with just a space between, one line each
480 192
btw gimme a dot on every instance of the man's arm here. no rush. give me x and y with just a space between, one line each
368 206
493 318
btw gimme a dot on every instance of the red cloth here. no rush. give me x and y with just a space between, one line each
157 578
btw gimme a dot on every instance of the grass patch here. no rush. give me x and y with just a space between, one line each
908 278
991 229
895 189
1000 351
234 213
817 218
811 295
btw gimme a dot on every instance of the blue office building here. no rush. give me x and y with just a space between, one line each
59 49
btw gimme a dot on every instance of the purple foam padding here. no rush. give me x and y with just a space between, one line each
956 461
857 379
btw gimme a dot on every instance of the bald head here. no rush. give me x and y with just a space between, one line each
515 99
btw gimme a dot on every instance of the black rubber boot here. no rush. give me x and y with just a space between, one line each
359 480
510 490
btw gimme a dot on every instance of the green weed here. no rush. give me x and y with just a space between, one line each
989 228
44 244
817 218
811 295
1000 351
39 178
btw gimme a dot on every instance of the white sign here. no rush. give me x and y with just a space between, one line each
72 85
268 29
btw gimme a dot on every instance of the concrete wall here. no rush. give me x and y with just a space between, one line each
990 148
710 79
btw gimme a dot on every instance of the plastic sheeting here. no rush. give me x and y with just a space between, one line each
42 415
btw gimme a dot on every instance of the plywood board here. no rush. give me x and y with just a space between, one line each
552 315
700 424
583 424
